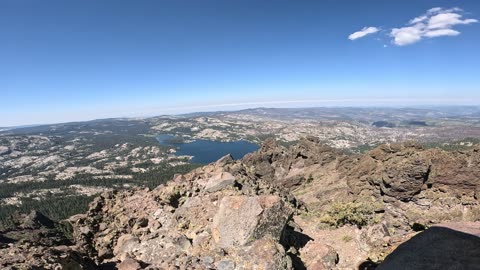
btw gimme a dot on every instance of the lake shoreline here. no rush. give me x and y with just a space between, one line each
206 151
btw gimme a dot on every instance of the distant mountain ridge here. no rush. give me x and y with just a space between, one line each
332 113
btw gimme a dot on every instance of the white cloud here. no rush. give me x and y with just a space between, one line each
419 19
436 22
365 31
447 20
441 32
434 10
406 35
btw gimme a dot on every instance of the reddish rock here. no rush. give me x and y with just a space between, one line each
242 219
129 264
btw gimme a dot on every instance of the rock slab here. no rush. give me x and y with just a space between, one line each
241 219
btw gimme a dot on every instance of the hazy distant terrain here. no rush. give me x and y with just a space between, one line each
65 164
338 127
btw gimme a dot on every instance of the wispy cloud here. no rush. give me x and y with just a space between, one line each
364 32
442 32
435 22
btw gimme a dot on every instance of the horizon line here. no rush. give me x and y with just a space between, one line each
222 105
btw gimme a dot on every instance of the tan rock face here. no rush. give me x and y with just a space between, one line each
235 221
241 220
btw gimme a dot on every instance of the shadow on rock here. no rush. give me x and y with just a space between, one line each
367 265
436 248
293 240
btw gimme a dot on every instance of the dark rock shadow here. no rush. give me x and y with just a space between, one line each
367 265
297 262
436 248
6 240
297 239
108 266
293 240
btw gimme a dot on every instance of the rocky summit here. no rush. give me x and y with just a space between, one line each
306 206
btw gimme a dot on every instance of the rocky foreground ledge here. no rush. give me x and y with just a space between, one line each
303 207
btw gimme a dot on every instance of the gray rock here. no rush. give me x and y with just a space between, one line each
208 260
225 265
219 182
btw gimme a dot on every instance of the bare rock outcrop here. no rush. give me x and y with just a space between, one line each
396 171
213 217
37 244
304 206
285 167
222 215
403 171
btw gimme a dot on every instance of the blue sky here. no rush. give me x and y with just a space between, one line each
78 60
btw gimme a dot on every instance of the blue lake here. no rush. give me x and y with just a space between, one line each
204 151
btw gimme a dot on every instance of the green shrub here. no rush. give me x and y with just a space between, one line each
355 213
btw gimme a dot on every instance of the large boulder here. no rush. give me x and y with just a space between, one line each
319 256
404 178
241 219
401 170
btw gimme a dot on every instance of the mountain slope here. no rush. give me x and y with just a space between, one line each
305 206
